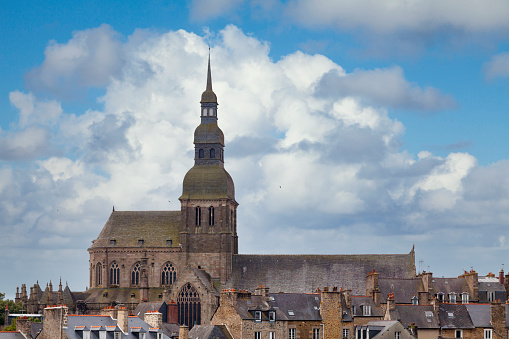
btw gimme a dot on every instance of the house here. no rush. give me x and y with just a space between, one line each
382 329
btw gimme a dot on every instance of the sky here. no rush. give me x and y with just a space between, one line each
350 127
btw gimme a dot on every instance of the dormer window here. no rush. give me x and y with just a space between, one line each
113 242
440 296
272 316
415 300
452 298
465 298
366 310
258 316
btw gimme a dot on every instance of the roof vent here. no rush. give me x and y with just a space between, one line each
290 312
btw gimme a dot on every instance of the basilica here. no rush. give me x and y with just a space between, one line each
188 257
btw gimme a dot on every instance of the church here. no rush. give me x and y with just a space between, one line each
188 256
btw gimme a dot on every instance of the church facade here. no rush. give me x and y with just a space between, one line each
189 256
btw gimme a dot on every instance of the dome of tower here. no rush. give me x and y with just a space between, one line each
208 96
208 134
208 182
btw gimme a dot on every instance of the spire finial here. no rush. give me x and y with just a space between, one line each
209 96
209 76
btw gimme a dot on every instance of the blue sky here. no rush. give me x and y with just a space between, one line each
385 122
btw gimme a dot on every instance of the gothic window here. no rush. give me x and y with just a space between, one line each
211 216
169 274
198 216
98 274
212 153
114 274
135 274
189 306
201 153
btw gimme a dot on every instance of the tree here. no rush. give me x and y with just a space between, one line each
13 307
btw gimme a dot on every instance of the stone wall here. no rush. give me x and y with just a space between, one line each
55 319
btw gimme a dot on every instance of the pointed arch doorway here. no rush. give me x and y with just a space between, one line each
189 306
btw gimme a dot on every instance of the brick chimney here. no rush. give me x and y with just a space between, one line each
55 319
183 332
263 291
371 282
229 297
423 297
154 319
173 313
472 280
501 277
331 312
122 319
497 317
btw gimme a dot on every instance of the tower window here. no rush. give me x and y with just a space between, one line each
169 242
198 216
212 153
98 274
211 216
135 274
211 112
114 273
201 153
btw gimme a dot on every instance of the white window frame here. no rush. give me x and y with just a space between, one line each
397 335
346 333
460 332
366 310
159 336
452 298
86 334
272 335
491 296
488 333
272 316
258 316
258 335
465 298
291 333
142 335
316 333
102 334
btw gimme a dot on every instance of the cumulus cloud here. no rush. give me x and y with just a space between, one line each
385 87
89 59
202 10
316 169
497 66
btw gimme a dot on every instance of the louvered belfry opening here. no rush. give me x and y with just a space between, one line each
189 306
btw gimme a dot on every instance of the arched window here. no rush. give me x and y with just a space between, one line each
198 216
98 274
114 274
211 112
135 274
211 216
189 306
168 274
212 153
201 153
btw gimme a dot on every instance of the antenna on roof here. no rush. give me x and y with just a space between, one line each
113 208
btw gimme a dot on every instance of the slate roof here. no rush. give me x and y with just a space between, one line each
104 322
305 307
145 307
448 285
416 314
358 301
127 227
460 317
35 328
11 335
306 273
479 314
96 295
403 289
491 285
381 326
209 332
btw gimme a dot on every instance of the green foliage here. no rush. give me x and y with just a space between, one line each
13 307
35 320
12 326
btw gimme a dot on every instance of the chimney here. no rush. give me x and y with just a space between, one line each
371 282
183 332
391 302
6 319
501 277
23 325
122 319
263 291
331 312
423 297
229 297
348 298
472 279
154 319
55 319
377 296
173 313
497 317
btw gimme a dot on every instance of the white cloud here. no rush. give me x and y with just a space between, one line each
498 66
306 166
202 10
90 58
402 15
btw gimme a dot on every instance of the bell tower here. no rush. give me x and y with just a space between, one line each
208 233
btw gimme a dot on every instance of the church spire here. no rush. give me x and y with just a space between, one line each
209 97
